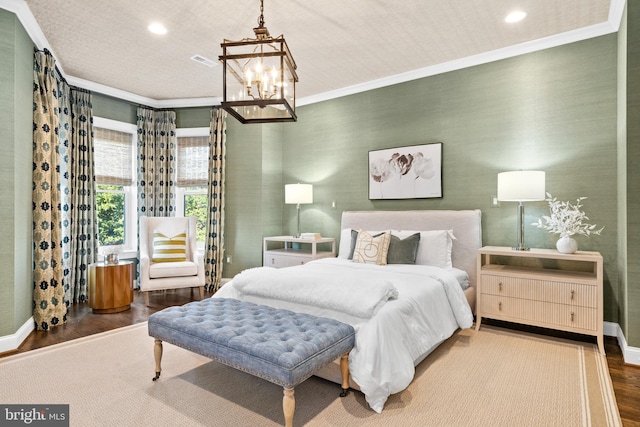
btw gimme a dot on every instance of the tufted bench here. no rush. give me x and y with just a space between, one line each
277 345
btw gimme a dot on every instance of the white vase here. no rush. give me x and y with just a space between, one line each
566 245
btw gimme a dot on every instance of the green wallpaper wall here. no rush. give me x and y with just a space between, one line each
553 110
16 85
632 294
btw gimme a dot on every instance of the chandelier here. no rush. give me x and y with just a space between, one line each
259 77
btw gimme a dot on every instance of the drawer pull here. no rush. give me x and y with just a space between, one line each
500 306
500 286
572 315
572 293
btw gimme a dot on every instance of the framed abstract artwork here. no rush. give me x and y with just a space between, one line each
412 172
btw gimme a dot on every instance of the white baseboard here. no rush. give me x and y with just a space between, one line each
631 354
12 342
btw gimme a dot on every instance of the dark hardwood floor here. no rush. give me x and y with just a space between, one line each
82 322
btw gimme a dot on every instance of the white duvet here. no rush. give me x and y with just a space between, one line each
430 306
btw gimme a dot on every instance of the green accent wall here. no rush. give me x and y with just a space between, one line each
16 117
631 298
108 107
553 110
254 192
111 108
194 117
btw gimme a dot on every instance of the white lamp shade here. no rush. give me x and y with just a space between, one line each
521 186
298 194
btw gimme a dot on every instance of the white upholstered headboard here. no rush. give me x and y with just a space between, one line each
466 226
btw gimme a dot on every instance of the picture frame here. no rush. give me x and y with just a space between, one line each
410 172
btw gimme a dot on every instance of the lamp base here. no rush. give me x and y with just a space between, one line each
516 248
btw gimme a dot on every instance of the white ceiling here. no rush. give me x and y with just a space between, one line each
340 46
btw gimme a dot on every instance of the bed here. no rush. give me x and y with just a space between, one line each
401 312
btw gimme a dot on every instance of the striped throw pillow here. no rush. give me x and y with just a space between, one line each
169 249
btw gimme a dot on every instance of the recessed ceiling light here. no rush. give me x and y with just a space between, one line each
157 28
515 16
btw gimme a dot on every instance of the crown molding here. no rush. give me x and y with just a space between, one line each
611 26
143 100
616 11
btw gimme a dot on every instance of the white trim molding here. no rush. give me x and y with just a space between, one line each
631 354
616 10
12 342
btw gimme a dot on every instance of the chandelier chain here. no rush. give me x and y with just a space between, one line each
261 19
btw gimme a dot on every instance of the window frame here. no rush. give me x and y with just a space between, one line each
130 247
181 192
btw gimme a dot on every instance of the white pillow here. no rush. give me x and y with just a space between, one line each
434 248
370 249
345 243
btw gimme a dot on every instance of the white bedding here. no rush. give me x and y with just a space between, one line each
344 290
430 306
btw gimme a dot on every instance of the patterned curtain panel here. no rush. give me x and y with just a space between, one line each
82 186
214 244
157 150
49 307
64 133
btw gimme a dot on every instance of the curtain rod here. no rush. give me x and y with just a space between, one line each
59 73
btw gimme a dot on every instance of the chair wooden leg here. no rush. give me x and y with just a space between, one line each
201 292
288 406
146 298
157 354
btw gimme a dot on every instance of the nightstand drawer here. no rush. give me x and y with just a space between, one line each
288 251
575 294
538 313
281 260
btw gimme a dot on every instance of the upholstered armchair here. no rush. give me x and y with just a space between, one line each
168 255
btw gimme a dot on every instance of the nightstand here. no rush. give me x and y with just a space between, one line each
111 286
542 287
287 251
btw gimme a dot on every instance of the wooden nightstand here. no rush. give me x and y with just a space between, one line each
542 287
287 251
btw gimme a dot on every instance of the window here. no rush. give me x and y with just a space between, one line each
116 188
193 176
114 155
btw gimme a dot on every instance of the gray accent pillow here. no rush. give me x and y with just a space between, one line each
354 238
403 251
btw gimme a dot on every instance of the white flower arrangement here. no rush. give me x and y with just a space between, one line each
566 219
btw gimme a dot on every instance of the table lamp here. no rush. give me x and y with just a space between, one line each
521 186
298 194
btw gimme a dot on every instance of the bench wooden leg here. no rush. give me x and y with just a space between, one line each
344 370
288 406
157 354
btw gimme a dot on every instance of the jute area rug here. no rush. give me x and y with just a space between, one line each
492 377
